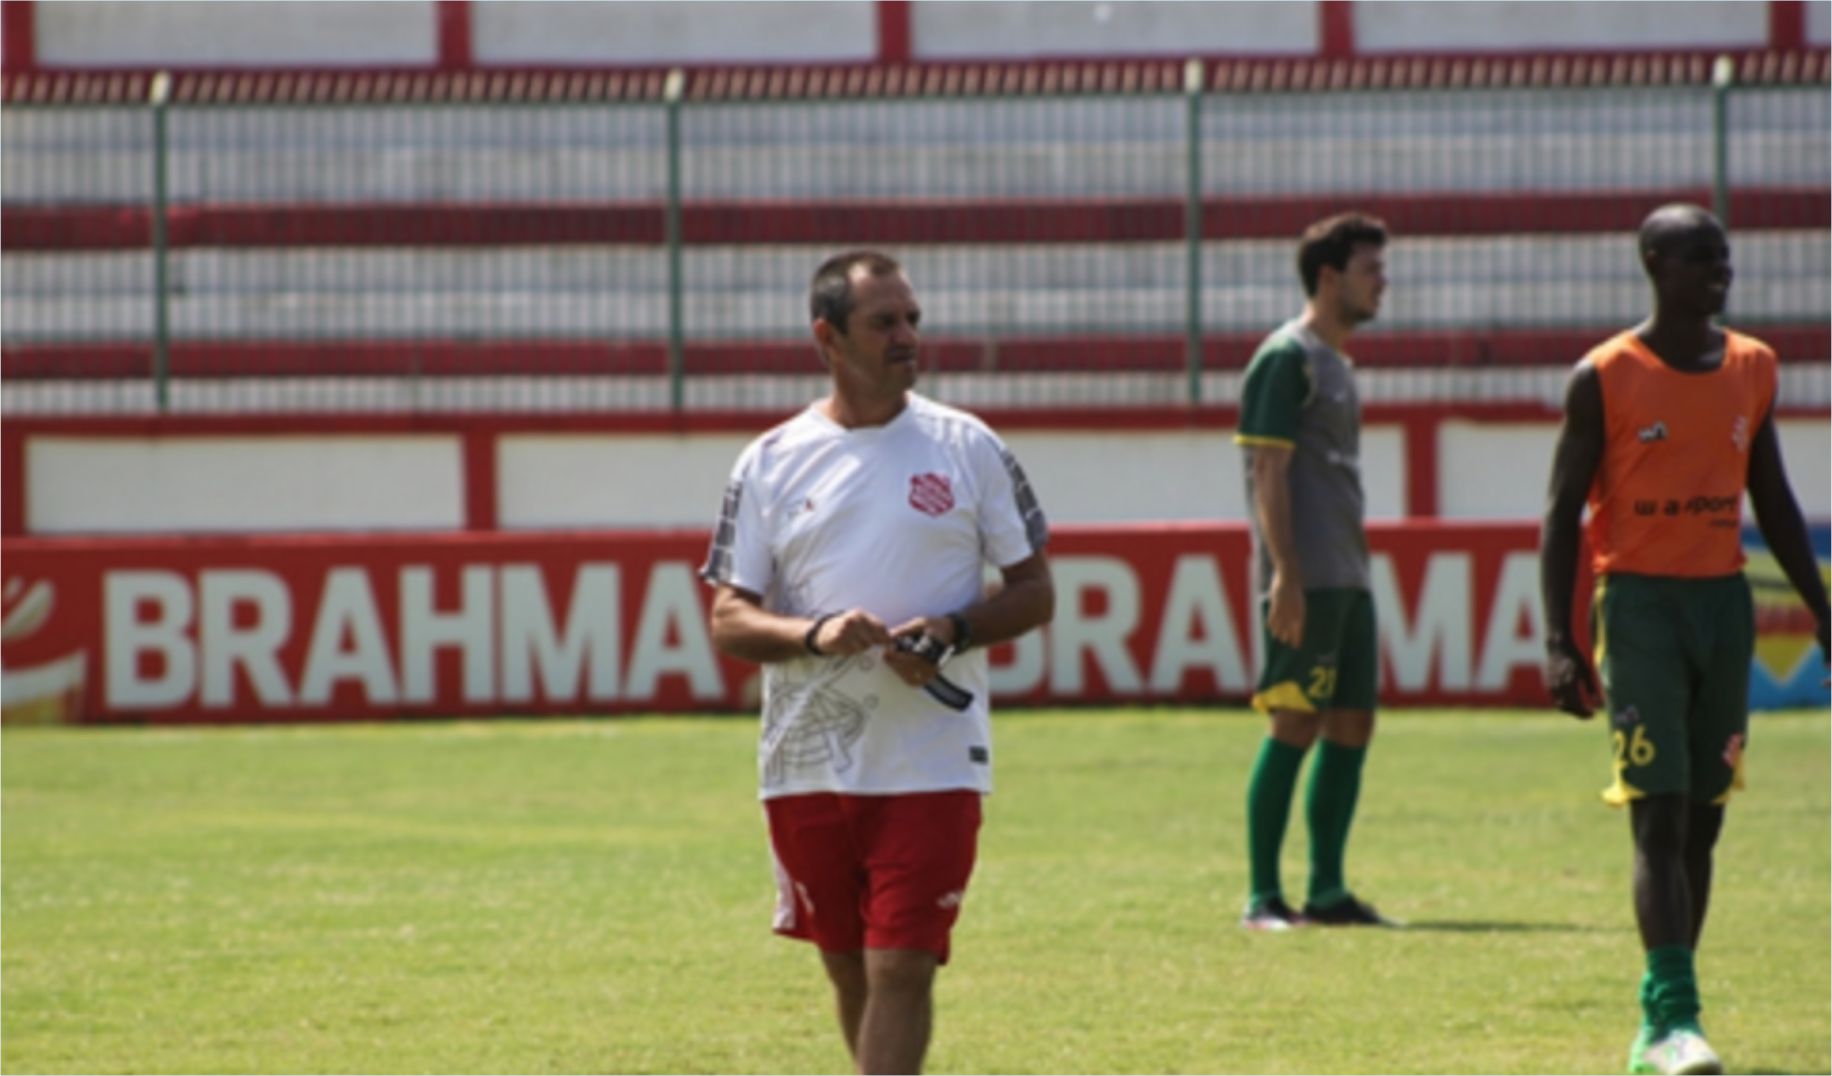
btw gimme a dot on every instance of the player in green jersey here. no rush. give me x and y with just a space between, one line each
1300 427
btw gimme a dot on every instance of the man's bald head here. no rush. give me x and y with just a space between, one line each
1687 258
1668 227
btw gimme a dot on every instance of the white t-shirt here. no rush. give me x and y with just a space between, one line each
898 520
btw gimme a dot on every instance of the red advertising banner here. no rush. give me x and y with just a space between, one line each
379 627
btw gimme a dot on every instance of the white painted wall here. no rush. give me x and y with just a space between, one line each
236 33
642 33
590 480
252 484
1010 29
1130 476
1383 471
1806 446
1819 23
1492 471
1512 26
119 485
584 480
1485 471
180 485
647 32
1499 471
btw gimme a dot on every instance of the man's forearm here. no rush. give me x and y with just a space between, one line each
1018 607
1558 573
1785 531
751 633
1272 504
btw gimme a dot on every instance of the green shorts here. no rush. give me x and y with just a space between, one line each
1337 666
1673 657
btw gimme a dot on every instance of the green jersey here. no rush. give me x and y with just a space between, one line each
1300 392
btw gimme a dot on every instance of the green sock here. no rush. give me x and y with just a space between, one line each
1648 1017
1275 775
1670 988
1329 806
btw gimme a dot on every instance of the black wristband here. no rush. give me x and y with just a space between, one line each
963 637
813 630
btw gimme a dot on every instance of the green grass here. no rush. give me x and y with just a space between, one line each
594 896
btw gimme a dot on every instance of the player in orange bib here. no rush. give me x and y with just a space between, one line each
1666 425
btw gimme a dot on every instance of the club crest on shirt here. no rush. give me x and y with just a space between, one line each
931 494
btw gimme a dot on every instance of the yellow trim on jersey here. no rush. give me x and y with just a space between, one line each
1286 695
1597 648
1621 794
1262 439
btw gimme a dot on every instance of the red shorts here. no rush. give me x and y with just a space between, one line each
873 872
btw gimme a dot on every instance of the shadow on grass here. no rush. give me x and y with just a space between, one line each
1478 926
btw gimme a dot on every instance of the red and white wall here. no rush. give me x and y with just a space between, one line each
328 568
267 570
483 473
456 35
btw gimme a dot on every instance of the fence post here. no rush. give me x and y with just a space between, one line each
158 97
673 92
1723 75
1192 231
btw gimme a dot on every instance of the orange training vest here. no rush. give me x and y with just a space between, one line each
1667 498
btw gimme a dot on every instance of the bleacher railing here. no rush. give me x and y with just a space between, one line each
1081 235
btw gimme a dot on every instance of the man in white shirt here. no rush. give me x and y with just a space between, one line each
849 561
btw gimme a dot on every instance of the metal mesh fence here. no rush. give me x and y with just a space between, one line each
1116 247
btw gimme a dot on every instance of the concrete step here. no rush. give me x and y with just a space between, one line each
1488 140
618 293
1802 386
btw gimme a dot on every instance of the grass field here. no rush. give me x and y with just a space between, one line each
593 896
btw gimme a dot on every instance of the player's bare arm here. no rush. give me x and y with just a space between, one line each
743 628
1783 528
1574 464
1026 600
1272 504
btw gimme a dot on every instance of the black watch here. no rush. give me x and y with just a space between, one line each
963 638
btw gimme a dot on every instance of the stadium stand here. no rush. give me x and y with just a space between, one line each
551 239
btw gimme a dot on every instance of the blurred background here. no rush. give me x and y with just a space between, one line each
436 206
474 267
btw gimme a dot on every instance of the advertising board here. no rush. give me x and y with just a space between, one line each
332 628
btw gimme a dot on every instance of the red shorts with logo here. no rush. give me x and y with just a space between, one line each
873 872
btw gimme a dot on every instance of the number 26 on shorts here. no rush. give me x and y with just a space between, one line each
1636 750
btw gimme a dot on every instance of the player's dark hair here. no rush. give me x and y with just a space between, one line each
830 292
1332 240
